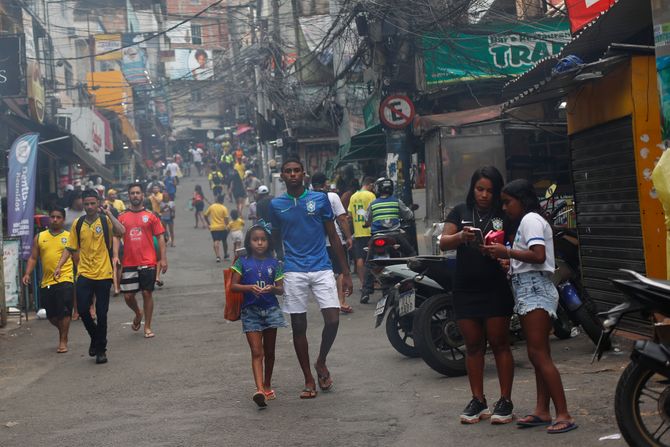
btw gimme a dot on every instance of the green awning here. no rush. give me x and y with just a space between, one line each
368 144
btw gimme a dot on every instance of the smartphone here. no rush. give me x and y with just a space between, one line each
479 236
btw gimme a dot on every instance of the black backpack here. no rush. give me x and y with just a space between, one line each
105 233
216 178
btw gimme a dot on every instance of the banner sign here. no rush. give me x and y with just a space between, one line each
661 14
104 43
10 256
21 189
134 60
190 65
12 78
491 51
583 12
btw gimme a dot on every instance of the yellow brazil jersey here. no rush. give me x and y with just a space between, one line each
217 215
119 205
358 205
51 249
94 262
236 225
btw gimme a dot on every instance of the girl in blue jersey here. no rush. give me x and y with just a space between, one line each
260 278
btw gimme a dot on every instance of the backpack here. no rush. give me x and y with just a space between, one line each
105 233
216 178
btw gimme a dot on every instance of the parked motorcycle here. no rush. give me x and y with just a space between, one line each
642 397
403 291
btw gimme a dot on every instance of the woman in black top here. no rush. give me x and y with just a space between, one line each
483 301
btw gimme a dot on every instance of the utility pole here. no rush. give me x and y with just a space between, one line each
3 303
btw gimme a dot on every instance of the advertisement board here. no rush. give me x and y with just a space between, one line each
491 51
582 12
12 63
190 64
89 127
134 58
105 44
10 256
21 190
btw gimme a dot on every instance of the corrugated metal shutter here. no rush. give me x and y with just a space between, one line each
608 211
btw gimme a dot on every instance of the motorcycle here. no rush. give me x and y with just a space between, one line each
403 291
642 397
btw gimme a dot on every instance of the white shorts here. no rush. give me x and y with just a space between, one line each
236 236
297 286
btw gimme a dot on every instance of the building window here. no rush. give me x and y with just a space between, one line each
196 34
197 123
196 94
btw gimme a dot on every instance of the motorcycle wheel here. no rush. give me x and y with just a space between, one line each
590 324
562 324
400 335
437 337
642 406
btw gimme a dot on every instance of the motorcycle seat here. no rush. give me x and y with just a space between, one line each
659 284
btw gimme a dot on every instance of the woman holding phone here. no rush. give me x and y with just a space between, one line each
483 300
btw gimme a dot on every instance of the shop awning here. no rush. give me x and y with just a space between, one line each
242 129
556 87
627 21
368 144
423 124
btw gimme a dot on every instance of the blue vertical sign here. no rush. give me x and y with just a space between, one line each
21 190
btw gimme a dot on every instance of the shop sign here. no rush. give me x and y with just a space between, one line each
105 46
36 93
491 51
134 60
583 12
12 78
661 16
89 127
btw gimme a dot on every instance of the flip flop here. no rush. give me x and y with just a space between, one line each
259 398
270 395
136 324
535 421
61 350
308 393
567 426
325 382
149 334
346 309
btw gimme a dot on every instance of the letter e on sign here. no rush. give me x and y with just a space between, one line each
396 111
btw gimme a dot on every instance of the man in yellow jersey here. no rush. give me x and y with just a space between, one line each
55 295
112 199
91 236
217 218
358 207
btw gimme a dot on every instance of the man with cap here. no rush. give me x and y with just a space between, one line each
262 194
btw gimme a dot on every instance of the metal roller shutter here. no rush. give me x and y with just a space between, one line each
608 211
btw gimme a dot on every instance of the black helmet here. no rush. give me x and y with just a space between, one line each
384 185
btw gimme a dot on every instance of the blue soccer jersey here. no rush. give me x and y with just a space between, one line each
300 221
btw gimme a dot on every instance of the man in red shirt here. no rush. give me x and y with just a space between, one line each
139 256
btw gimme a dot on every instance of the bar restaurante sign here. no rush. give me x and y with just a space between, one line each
12 78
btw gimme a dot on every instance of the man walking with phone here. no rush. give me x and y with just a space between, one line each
91 236
139 259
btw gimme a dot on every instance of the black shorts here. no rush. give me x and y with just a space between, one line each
134 279
333 259
217 190
199 206
220 235
57 299
360 243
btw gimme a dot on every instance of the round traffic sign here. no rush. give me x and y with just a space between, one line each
396 111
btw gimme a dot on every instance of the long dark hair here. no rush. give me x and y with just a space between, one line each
523 191
247 240
491 173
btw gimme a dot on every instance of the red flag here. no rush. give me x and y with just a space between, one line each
581 12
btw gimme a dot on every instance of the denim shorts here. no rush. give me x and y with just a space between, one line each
534 290
257 319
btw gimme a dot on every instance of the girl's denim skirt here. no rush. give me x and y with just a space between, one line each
534 290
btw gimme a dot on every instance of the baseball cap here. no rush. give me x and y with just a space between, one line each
247 173
262 190
111 191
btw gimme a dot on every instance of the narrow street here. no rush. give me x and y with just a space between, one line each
191 385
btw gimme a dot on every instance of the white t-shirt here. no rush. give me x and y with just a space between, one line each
197 155
338 210
534 230
172 168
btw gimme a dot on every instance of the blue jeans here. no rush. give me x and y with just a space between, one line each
86 289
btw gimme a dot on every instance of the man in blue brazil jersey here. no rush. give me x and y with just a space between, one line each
300 216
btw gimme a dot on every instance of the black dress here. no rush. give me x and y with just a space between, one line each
481 289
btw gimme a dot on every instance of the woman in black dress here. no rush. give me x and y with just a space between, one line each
483 300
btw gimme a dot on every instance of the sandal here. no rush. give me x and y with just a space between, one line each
325 382
346 309
270 395
136 324
532 421
566 426
308 393
259 399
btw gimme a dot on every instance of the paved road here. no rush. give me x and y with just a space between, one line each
192 385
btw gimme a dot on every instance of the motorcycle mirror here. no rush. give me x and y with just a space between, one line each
548 194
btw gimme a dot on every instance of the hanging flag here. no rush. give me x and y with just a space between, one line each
21 190
582 12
